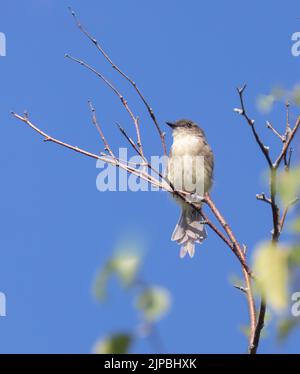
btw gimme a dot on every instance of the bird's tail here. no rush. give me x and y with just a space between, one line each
188 231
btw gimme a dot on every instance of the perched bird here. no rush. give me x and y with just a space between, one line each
190 169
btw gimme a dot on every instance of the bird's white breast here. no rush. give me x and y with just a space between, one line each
187 145
186 163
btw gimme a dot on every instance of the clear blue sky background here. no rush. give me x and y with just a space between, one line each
57 229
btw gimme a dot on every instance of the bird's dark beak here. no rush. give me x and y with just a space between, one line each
171 124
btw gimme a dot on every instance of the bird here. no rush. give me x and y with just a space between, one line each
190 168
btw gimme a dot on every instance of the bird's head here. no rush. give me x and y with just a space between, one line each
185 126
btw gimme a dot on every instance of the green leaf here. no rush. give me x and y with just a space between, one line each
271 271
101 281
294 256
296 225
296 94
154 303
285 327
265 103
289 185
124 264
236 281
245 330
278 93
114 344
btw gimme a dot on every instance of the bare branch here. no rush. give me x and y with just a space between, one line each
285 212
240 288
115 162
130 80
259 326
262 197
270 126
121 97
226 241
289 159
130 141
287 122
241 255
49 138
97 125
242 112
287 143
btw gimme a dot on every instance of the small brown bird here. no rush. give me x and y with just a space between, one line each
190 169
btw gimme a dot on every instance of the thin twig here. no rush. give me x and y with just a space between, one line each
288 164
274 206
226 241
287 143
259 326
285 212
117 92
130 80
116 162
286 157
130 141
240 253
98 127
264 198
242 112
147 163
287 122
240 288
270 126
49 138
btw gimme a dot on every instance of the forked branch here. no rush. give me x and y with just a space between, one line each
277 218
121 72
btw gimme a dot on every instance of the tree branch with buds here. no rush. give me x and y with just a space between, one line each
278 217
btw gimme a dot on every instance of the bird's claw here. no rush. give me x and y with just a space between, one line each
195 198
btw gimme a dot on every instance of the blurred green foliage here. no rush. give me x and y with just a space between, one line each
266 102
116 343
124 264
153 302
285 327
271 270
277 267
289 185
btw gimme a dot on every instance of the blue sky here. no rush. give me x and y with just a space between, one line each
57 229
